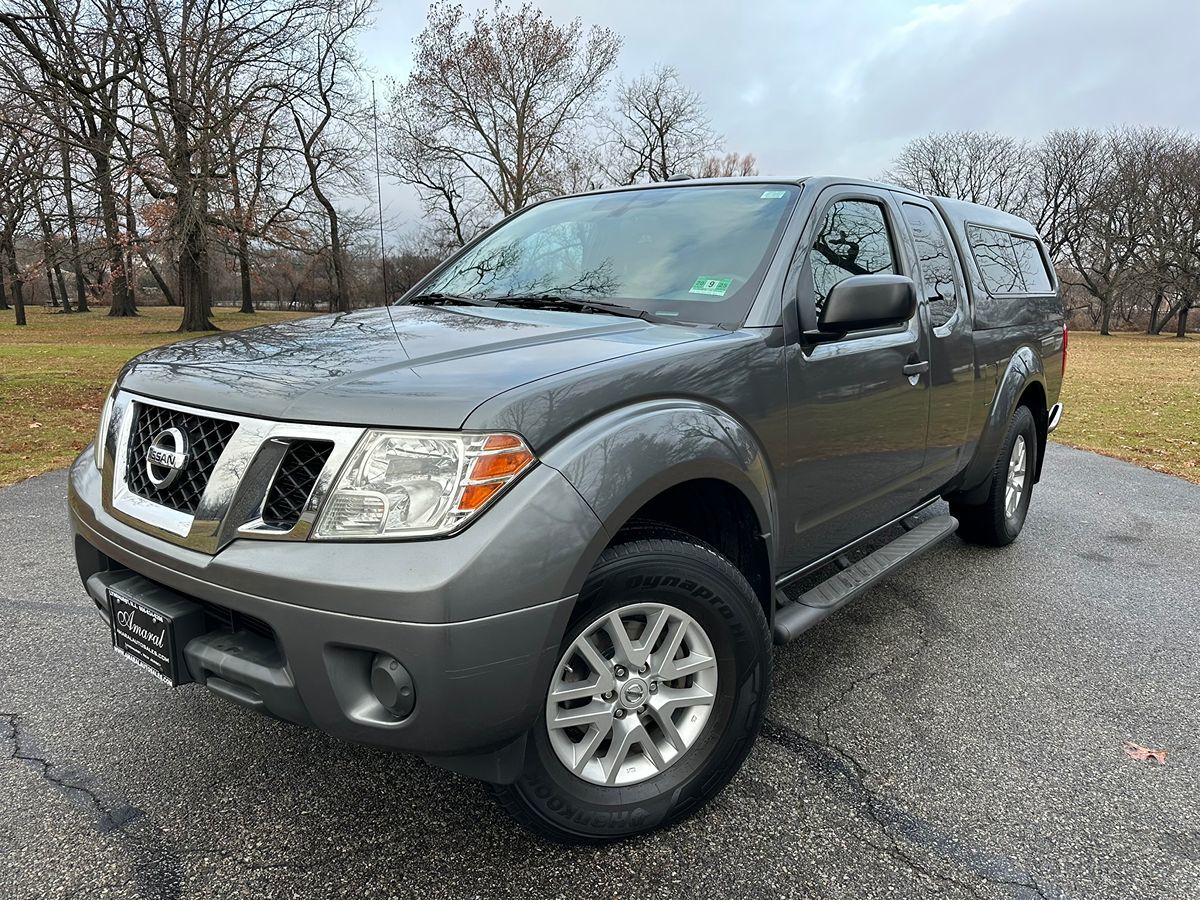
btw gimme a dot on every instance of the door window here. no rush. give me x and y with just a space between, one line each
938 271
853 240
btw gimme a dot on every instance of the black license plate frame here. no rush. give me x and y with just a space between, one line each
144 635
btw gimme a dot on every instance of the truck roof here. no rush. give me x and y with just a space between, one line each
959 212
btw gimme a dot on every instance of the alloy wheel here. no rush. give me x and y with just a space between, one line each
632 694
1014 487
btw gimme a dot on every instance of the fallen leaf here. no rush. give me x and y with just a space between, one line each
1138 752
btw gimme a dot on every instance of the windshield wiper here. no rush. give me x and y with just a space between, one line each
438 298
576 304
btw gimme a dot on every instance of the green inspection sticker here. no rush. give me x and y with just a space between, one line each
713 287
772 195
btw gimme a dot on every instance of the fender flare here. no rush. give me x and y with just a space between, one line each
1024 369
624 458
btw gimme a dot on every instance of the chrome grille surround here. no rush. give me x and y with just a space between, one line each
231 504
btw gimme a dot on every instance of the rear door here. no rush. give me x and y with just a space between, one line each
857 421
943 297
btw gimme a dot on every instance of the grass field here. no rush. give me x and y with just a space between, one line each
1135 397
1130 396
55 371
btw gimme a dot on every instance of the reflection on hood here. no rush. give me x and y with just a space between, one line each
407 365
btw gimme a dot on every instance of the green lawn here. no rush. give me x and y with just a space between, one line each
55 371
1135 397
1130 396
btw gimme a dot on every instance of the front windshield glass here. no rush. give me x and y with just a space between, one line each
696 254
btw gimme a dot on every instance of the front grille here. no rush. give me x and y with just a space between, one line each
294 482
206 440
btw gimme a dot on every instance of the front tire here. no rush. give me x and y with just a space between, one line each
998 520
658 695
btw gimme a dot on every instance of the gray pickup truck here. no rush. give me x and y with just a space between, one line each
541 520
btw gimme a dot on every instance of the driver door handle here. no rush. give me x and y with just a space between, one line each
916 368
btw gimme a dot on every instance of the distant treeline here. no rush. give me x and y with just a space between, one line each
192 151
1118 209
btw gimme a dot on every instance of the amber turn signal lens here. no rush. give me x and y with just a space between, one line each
502 442
476 495
500 465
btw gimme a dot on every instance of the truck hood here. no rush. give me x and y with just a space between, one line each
412 366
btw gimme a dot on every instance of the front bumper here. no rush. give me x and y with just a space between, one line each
476 619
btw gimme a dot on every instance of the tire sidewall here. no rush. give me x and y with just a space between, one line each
1023 426
702 584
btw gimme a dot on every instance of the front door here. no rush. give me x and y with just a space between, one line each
857 420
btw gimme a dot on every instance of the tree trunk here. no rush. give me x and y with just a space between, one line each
50 287
168 294
130 237
51 257
3 293
193 280
341 302
1181 328
1105 316
1171 313
62 287
243 243
122 301
243 253
14 274
1155 306
73 228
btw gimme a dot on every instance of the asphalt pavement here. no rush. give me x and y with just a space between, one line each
958 730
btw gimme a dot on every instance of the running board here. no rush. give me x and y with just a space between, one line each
794 618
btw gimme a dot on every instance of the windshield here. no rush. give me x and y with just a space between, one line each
696 254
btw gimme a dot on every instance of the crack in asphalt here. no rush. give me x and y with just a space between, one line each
156 866
838 765
74 784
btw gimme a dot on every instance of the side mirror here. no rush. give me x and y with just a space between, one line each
868 301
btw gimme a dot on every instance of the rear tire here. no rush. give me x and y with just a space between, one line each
579 785
998 520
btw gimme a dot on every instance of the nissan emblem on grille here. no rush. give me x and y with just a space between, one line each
167 457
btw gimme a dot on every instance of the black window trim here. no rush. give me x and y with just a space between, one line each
1037 242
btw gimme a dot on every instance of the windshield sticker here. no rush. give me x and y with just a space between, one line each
772 195
712 287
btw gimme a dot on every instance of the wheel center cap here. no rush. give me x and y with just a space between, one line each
634 693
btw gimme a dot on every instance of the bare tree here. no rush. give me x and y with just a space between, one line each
1119 210
494 106
1067 165
326 113
205 63
659 128
730 165
1107 248
1173 240
71 60
22 164
259 199
980 167
68 186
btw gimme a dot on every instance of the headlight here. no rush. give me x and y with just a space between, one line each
102 431
408 484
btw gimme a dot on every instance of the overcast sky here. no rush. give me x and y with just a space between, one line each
838 87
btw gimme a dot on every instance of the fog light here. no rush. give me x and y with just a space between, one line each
392 685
